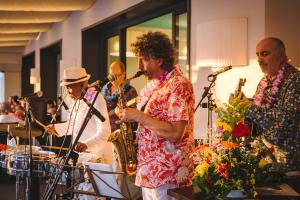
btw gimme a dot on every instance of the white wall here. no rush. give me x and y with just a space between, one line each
207 10
282 21
12 84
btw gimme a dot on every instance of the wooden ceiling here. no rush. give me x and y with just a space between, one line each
23 20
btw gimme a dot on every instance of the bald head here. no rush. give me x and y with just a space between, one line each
117 65
276 42
271 55
117 69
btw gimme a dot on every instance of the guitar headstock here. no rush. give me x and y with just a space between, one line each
241 83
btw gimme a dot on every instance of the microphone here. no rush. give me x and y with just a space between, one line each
63 103
94 110
36 94
100 84
224 69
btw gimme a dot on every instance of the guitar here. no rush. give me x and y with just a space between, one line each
238 91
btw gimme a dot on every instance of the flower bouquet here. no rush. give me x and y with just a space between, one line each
235 159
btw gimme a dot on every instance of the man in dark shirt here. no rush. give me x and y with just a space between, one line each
276 105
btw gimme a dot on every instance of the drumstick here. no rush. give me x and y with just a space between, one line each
55 147
40 123
59 148
44 126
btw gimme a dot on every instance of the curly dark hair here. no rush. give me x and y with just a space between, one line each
156 45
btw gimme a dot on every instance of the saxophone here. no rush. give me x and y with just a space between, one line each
123 137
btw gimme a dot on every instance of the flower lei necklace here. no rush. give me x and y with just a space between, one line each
115 96
266 95
153 85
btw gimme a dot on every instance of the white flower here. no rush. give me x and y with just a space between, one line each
182 174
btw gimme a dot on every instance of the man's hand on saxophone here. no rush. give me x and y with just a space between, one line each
128 115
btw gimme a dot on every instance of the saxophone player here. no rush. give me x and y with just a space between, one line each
165 116
110 91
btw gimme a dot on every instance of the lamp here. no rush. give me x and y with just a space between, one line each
222 43
34 76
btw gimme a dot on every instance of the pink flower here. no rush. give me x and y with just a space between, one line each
260 98
219 131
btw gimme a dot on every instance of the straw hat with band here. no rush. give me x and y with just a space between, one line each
74 75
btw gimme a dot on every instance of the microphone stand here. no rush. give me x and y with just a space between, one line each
210 105
49 193
31 192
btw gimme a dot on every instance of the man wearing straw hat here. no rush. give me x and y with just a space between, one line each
95 136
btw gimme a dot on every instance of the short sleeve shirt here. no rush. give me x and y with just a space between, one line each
161 161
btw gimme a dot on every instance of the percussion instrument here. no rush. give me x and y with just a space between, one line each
5 126
18 163
19 131
4 155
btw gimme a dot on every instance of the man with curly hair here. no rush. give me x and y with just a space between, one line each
165 116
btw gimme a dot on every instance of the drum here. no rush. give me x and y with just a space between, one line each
11 150
2 159
18 163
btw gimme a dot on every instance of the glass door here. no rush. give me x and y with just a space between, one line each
113 50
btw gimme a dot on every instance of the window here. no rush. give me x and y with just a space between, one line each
181 42
2 86
113 48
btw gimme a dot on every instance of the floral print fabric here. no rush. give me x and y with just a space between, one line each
280 122
161 161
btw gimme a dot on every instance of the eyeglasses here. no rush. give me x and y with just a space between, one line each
263 53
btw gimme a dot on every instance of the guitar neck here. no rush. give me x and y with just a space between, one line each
241 83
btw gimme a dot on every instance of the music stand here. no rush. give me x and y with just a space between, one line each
103 180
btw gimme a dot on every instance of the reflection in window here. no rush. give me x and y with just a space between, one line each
181 42
113 47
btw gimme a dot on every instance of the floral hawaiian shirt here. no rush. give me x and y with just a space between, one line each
161 161
280 122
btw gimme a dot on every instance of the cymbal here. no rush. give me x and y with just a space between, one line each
8 123
17 131
4 126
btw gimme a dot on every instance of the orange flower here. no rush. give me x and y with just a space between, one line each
224 169
200 148
229 145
